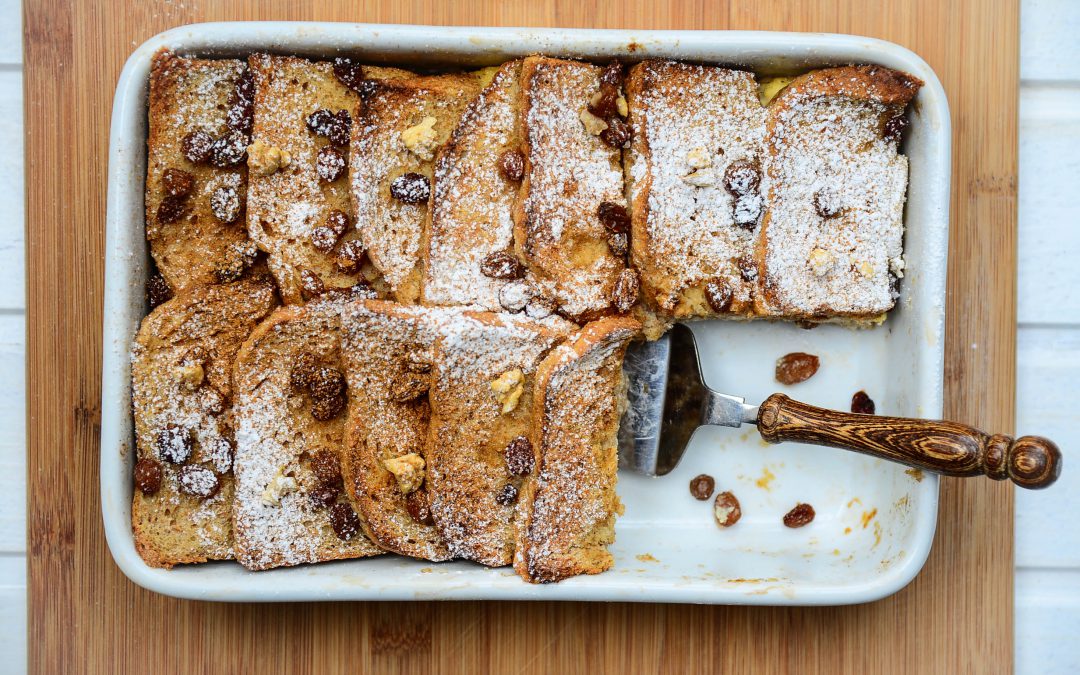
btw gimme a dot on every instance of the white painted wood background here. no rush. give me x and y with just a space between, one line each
1048 537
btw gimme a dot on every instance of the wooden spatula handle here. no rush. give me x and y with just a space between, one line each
941 447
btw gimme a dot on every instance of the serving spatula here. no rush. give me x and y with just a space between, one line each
669 400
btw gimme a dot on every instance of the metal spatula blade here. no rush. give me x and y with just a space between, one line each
668 400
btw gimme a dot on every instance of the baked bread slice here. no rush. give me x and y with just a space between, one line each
569 172
693 177
298 196
567 507
831 240
400 126
181 394
388 351
476 180
481 400
290 506
196 179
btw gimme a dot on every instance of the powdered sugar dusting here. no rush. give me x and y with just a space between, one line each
689 118
569 173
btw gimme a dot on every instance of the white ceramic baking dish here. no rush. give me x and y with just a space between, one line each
875 521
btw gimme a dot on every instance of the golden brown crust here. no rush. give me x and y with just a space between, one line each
392 230
568 173
828 143
472 423
281 511
383 343
182 360
472 203
192 95
285 207
567 507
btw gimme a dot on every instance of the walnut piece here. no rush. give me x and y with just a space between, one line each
508 389
698 158
821 261
408 470
190 374
701 178
593 124
265 159
279 486
421 139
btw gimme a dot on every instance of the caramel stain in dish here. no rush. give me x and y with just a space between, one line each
854 501
646 557
877 533
917 474
867 516
767 477
847 530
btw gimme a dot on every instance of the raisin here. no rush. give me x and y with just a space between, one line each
245 87
746 210
862 404
157 290
719 296
302 373
617 134
240 116
326 409
229 150
411 188
625 292
512 165
327 382
409 387
225 204
337 221
198 481
326 467
311 285
747 268
350 256
894 128
619 243
612 75
418 505
540 306
171 209
603 104
319 121
348 73
177 182
501 265
507 496
796 367
826 203
197 146
701 487
801 515
726 509
341 129
330 164
614 217
742 177
240 256
148 475
174 444
519 457
323 238
344 521
323 495
211 401
221 455
515 295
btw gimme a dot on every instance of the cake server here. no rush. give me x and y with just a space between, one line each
669 400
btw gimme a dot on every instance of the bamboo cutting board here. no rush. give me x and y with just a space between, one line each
85 616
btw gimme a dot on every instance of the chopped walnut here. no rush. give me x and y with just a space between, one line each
700 178
265 159
508 389
593 124
421 139
190 375
621 107
279 486
866 269
821 261
408 470
698 158
897 266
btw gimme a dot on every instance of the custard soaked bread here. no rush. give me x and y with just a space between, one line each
831 244
567 506
298 199
476 180
481 401
388 352
694 176
196 179
290 506
571 199
401 125
181 394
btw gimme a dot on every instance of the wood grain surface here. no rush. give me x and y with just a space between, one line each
85 616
